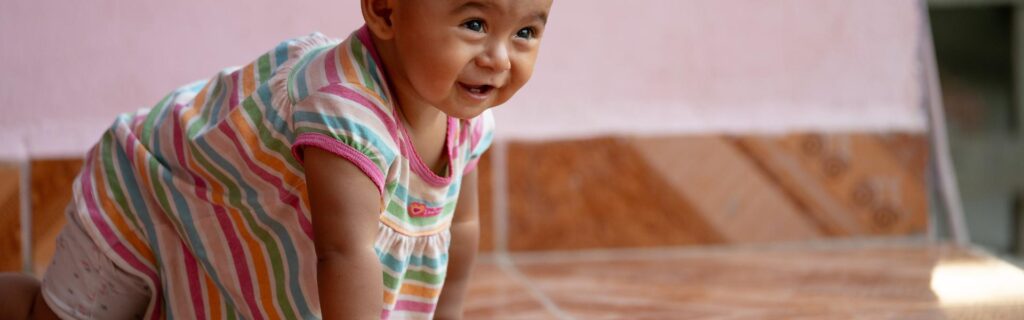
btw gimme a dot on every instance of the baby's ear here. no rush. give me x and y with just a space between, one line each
377 14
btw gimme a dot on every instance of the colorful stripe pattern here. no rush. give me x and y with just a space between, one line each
204 195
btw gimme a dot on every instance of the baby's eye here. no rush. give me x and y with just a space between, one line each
526 33
475 25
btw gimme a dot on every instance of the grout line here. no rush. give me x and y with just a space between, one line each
673 252
25 204
499 209
509 267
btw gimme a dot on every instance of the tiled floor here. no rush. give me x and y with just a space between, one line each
10 217
619 192
863 279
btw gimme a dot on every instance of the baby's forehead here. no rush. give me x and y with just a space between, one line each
504 7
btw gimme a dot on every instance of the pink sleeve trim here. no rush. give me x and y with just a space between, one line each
340 149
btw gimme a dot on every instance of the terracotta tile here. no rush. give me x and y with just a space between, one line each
493 294
619 192
727 188
851 184
485 189
595 193
985 312
51 192
872 280
909 149
10 217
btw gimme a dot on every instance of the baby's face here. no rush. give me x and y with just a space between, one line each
465 56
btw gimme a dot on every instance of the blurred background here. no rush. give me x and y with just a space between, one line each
653 125
979 50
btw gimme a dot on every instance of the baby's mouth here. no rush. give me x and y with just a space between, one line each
477 89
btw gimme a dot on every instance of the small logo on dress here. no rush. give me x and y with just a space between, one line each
420 210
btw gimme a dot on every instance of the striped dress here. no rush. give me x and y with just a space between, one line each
204 195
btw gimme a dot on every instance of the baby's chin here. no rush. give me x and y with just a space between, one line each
466 113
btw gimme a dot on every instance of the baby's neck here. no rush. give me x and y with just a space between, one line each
418 115
425 124
427 129
421 118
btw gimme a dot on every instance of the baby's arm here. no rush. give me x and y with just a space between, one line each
465 238
344 204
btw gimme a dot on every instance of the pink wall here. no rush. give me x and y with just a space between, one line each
671 66
649 67
70 66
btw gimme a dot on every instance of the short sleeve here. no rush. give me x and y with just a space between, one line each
481 135
340 119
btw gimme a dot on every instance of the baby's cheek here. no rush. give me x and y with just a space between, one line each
446 82
435 76
521 75
505 94
433 88
519 79
522 64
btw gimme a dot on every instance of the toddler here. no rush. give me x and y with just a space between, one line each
325 178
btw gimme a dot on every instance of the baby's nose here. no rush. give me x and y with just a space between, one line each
495 58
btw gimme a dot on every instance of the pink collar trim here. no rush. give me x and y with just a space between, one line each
419 166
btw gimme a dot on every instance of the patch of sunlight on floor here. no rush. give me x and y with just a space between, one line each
959 283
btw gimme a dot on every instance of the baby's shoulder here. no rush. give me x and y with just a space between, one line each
339 67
